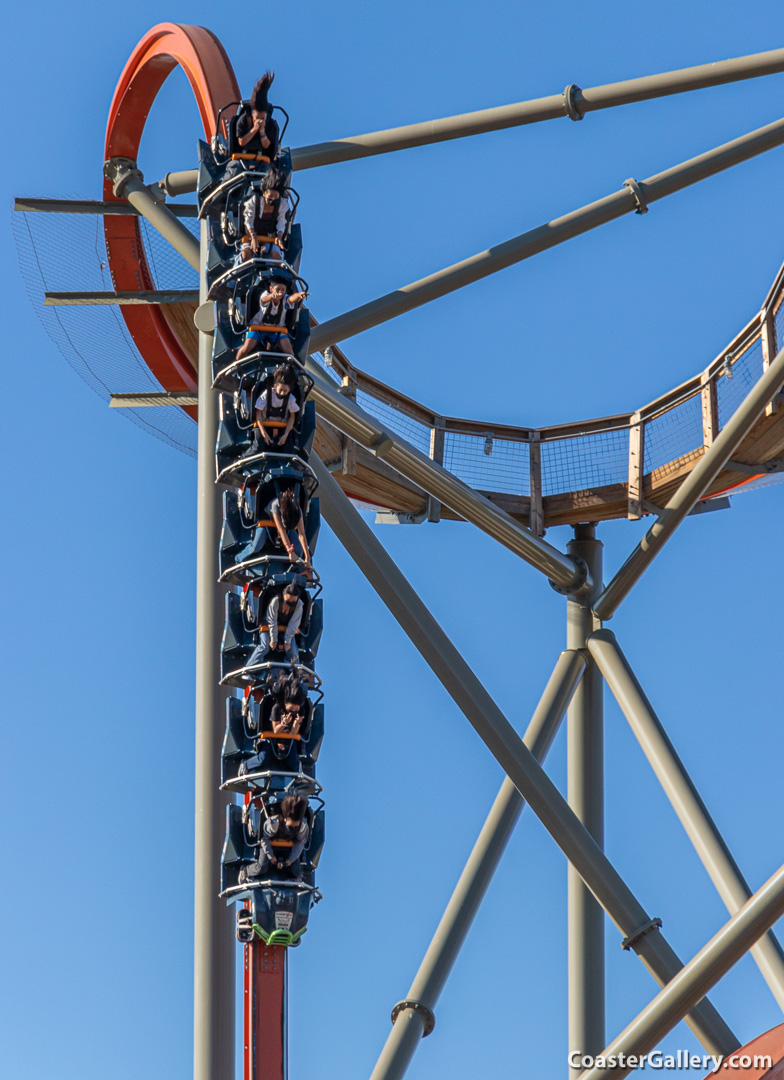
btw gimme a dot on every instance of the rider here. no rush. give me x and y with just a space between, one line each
265 213
287 609
288 825
257 132
274 305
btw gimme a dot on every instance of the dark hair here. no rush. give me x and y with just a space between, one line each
294 692
285 373
293 806
278 281
290 512
292 589
272 181
258 97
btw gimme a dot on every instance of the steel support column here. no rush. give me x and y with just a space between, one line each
633 196
214 946
585 771
693 487
409 1024
573 102
701 973
700 827
513 756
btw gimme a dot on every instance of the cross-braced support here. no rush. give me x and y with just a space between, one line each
680 790
499 736
715 959
409 1022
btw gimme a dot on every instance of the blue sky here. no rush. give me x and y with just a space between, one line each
97 549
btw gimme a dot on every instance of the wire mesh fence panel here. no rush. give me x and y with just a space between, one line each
500 465
737 379
585 462
67 252
673 434
413 431
169 268
778 318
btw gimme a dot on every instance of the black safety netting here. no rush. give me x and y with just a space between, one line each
67 253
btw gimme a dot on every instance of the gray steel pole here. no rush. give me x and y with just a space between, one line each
573 102
693 487
700 827
179 183
409 1024
513 756
634 196
701 973
585 784
353 421
214 946
129 184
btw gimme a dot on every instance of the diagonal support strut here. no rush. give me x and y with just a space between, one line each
684 797
409 1024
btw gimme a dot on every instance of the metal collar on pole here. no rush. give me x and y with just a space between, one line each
698 976
573 102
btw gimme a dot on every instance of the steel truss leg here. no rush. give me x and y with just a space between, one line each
515 759
214 944
409 1024
680 790
585 766
701 973
693 487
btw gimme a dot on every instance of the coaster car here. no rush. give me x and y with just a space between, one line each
228 338
227 272
239 642
227 233
237 459
251 549
224 160
277 906
251 758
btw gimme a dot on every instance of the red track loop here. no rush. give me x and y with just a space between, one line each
158 332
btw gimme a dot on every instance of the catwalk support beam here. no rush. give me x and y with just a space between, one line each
634 196
700 827
409 1024
585 784
698 976
214 945
693 487
479 708
573 103
443 485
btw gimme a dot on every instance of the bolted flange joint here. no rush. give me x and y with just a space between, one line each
581 567
630 941
417 1006
570 102
120 170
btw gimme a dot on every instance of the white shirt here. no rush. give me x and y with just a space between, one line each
261 402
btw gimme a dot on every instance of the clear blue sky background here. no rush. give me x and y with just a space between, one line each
98 538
